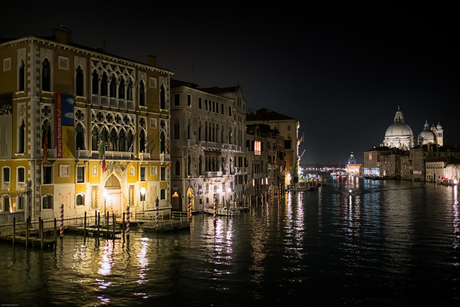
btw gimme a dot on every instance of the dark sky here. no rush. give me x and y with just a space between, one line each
341 71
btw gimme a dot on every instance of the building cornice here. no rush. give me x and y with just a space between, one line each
102 56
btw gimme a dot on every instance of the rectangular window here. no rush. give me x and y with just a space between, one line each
189 100
163 194
6 203
229 111
47 176
217 107
177 100
21 201
47 202
80 200
80 174
163 173
6 178
142 173
206 104
199 103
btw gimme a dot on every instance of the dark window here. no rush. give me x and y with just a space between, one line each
80 200
104 85
80 174
121 89
142 174
21 137
47 174
177 168
22 74
46 75
163 174
95 83
177 100
79 82
142 94
48 202
189 100
21 175
199 103
6 203
162 98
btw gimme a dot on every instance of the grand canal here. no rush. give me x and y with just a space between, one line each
392 243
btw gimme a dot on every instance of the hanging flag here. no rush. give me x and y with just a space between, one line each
45 147
102 151
131 148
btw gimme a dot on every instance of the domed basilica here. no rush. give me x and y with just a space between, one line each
399 134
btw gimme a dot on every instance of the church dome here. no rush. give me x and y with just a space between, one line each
426 136
399 134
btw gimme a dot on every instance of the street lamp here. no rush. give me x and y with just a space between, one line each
143 198
105 193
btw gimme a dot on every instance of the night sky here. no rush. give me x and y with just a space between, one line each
341 71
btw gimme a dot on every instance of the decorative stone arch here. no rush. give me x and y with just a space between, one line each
114 185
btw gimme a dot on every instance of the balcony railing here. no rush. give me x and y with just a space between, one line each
51 152
81 154
112 102
165 157
215 174
144 155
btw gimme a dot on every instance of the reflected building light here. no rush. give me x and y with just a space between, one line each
456 222
142 260
106 263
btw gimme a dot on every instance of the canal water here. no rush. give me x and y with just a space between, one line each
390 243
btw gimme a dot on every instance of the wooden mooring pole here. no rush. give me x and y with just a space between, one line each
84 225
55 232
27 230
41 234
14 228
113 225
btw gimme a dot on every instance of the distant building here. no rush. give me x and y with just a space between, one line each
288 128
80 127
399 134
353 167
208 145
265 161
399 158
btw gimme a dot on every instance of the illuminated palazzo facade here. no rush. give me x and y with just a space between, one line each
207 146
81 128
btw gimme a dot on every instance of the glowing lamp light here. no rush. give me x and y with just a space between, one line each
143 191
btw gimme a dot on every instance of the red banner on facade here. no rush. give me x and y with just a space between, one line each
58 114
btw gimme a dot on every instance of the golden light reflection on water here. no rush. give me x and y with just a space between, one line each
143 261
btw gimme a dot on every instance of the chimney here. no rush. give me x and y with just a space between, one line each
153 60
63 35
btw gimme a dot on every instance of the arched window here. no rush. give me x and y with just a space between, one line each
113 87
177 167
80 137
162 142
46 134
79 82
122 141
104 85
142 141
94 139
129 91
121 89
46 75
21 137
80 200
95 83
162 98
189 166
176 129
142 93
22 75
113 140
200 166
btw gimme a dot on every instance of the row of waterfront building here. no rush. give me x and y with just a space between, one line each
95 132
400 157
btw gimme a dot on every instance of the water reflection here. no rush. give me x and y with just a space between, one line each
383 245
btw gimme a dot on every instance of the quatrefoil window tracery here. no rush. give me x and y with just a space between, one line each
46 111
